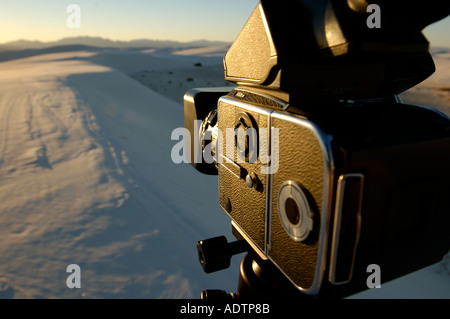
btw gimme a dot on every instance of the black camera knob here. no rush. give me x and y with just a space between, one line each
215 253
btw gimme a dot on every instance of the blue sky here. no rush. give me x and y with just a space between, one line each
181 20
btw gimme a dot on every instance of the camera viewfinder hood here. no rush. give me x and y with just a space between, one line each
327 50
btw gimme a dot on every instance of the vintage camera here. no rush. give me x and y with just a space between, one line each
321 167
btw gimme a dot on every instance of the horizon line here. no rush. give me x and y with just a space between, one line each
35 41
113 40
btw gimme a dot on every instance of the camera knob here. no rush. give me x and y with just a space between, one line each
294 211
215 254
251 180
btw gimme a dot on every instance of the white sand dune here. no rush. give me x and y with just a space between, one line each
212 51
86 178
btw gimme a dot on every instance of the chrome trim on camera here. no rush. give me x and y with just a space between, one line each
269 192
264 93
232 167
249 240
325 144
340 195
254 108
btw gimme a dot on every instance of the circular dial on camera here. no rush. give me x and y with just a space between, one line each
294 211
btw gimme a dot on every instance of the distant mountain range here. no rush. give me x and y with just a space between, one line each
106 43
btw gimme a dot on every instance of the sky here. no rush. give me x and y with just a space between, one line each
180 20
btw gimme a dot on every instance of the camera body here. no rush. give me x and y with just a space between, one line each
368 187
323 187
